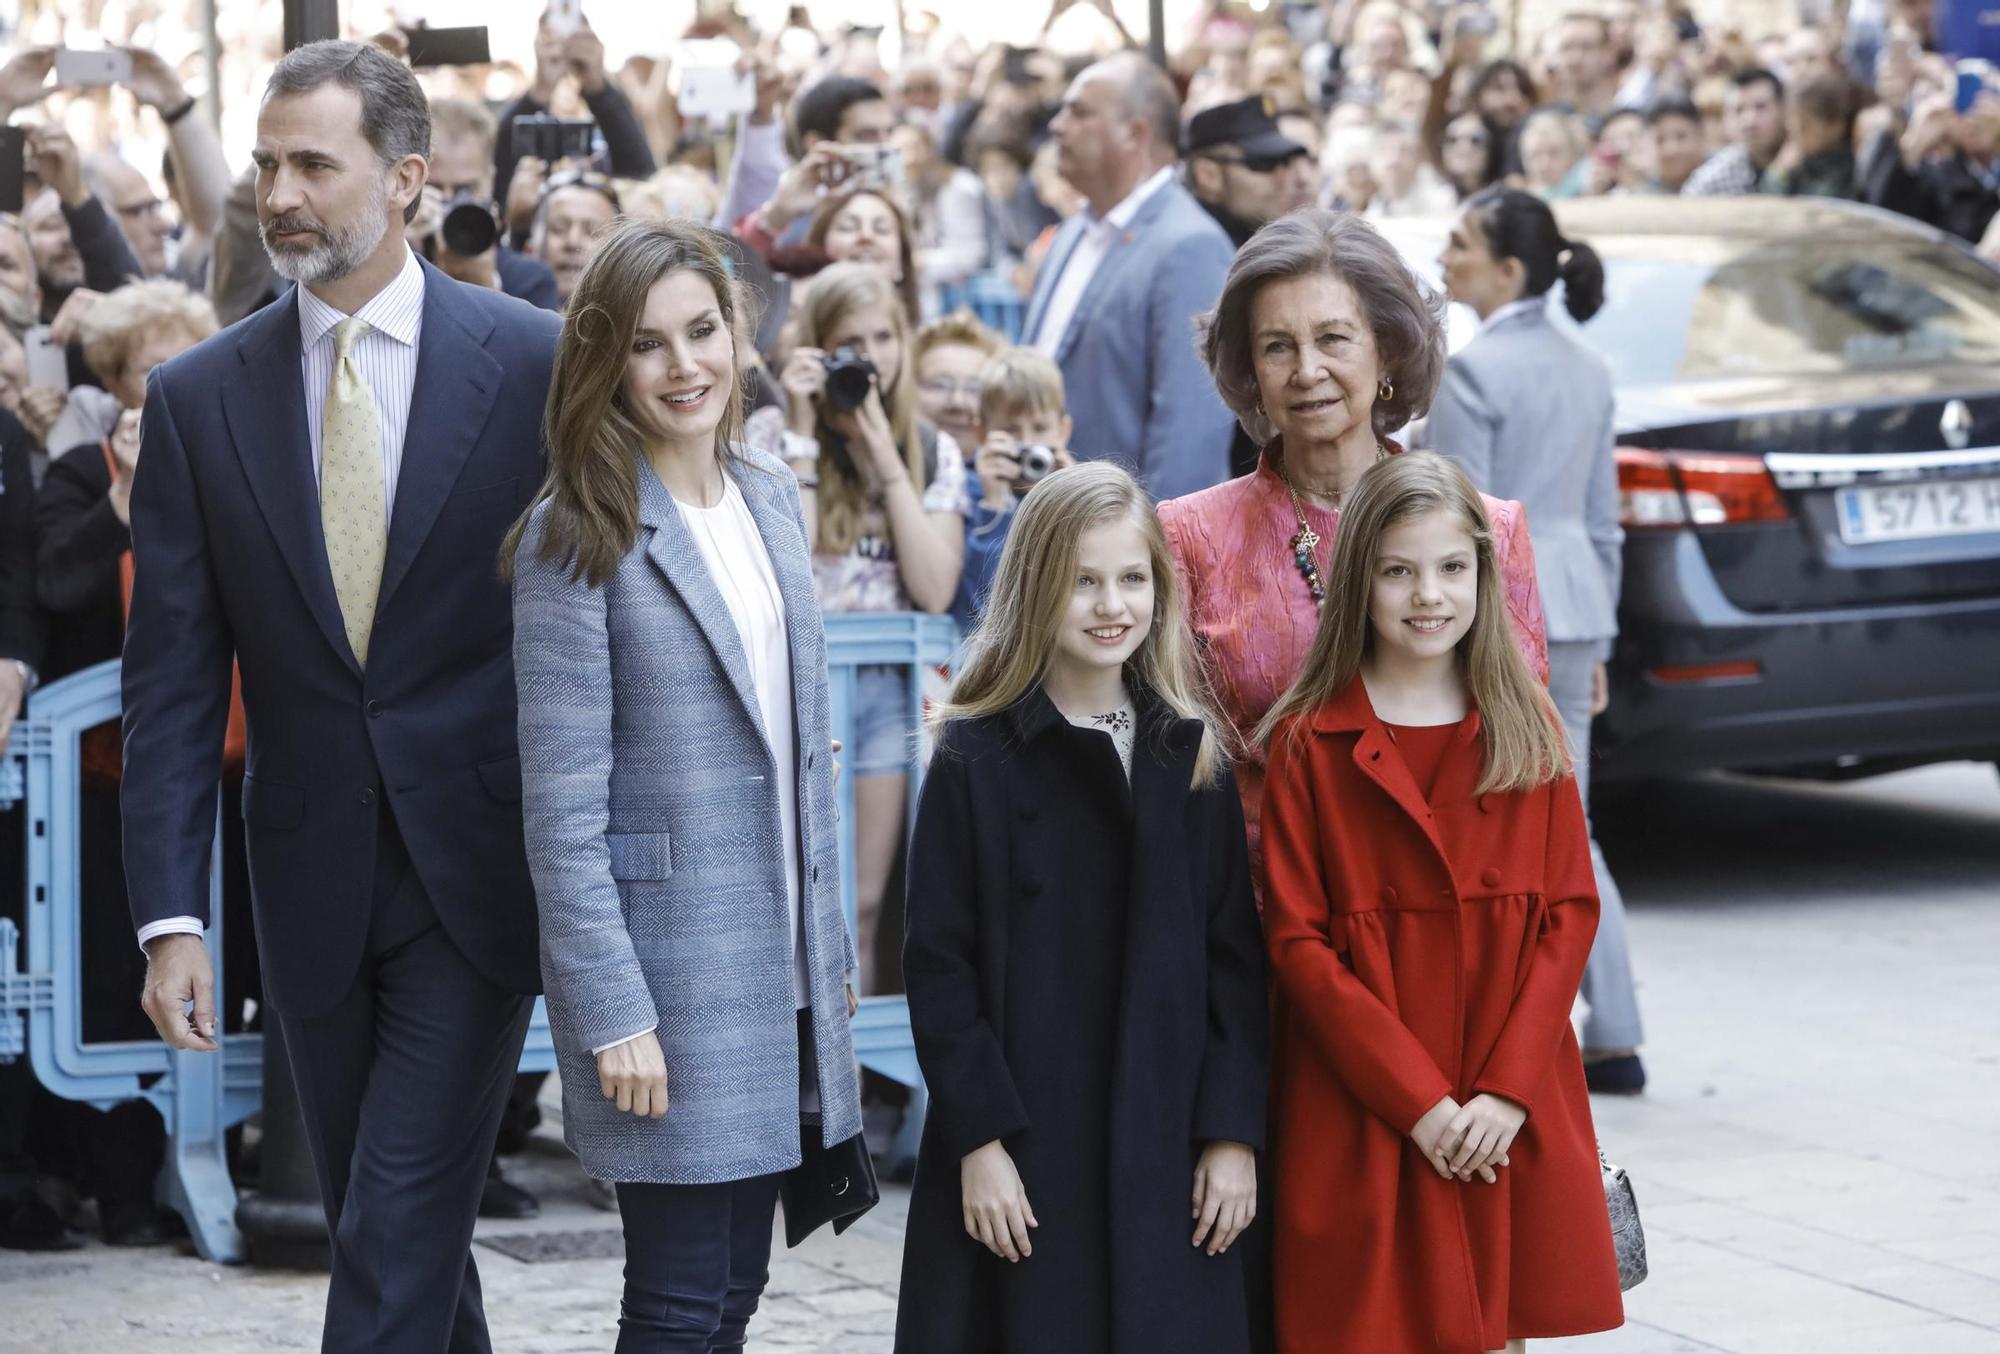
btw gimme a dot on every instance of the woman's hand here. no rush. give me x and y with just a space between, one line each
870 424
634 1074
1430 1129
803 379
125 452
799 187
1479 1135
41 406
1225 1194
997 1214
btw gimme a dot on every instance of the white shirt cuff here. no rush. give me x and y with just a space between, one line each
626 1040
169 926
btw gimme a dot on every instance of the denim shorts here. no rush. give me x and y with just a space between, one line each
883 742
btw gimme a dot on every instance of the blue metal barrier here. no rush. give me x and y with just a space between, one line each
992 298
201 1096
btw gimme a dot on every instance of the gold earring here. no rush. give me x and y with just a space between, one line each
1385 392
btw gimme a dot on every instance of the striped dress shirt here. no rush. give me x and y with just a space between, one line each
387 354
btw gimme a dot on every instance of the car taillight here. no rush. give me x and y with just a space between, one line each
1695 488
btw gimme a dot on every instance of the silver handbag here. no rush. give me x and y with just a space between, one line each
1628 1237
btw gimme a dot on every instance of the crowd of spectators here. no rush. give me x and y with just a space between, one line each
917 215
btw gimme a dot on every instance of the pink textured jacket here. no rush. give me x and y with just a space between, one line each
1254 618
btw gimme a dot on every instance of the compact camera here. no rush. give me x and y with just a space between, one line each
1036 461
550 139
849 374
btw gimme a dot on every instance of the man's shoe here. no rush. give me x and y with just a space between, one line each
1622 1075
28 1223
502 1198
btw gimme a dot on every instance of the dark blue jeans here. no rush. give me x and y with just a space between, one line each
696 1261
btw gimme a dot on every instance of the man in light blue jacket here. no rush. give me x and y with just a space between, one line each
1116 300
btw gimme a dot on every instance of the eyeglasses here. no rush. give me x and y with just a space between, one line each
939 388
1256 164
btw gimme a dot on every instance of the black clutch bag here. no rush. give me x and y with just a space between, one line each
830 1184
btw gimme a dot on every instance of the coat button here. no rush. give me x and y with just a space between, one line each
1490 877
1486 803
374 709
1389 894
365 798
1031 888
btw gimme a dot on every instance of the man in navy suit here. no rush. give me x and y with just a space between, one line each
1115 303
322 494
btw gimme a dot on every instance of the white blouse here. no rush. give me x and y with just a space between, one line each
733 549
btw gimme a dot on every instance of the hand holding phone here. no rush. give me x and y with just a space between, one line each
564 17
47 362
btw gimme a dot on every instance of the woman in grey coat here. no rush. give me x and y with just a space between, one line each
1527 410
677 784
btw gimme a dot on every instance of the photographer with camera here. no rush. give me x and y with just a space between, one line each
458 224
577 56
885 501
1023 438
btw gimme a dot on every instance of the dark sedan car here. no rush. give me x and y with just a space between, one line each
1809 474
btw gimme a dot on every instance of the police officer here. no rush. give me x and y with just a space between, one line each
1239 164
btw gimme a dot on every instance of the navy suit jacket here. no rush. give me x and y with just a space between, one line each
1132 379
231 562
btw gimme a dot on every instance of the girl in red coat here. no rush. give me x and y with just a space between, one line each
1428 906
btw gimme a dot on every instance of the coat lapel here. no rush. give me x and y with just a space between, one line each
673 550
456 382
1377 757
265 410
1118 257
791 562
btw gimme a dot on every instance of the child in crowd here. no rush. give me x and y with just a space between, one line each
1085 975
1428 904
1022 435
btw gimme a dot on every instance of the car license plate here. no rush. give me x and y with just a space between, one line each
1900 512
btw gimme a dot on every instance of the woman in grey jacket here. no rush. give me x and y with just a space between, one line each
677 785
1527 410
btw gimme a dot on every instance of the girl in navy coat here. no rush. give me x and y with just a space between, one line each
1083 963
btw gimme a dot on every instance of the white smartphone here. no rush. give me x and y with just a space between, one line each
92 66
565 17
48 364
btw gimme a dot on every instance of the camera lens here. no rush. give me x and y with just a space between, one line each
848 376
469 227
1035 463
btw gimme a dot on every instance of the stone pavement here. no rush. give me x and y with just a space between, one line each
1815 1165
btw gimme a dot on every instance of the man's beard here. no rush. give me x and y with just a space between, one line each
339 251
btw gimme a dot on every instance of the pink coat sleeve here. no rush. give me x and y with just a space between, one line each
1515 554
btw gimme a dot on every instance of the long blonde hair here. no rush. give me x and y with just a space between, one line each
1010 651
837 293
1524 739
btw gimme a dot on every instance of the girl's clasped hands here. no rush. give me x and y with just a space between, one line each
1461 1141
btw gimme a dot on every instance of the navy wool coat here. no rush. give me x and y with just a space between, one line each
1086 984
654 838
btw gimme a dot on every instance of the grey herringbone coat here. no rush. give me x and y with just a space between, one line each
656 846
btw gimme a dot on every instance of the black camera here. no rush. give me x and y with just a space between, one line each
550 139
849 374
470 226
1035 463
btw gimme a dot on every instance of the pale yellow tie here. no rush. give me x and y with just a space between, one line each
351 506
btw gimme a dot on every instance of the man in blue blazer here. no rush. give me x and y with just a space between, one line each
323 491
1116 300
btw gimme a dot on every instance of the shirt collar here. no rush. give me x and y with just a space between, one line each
1527 305
393 311
1121 216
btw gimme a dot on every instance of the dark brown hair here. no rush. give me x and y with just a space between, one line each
594 442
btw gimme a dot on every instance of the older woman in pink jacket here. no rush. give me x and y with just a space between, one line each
1323 343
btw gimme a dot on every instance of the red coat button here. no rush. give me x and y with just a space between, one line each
1490 877
1389 894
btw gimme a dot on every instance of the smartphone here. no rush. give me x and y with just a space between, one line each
873 166
48 364
92 66
1478 24
1014 67
13 168
565 17
449 46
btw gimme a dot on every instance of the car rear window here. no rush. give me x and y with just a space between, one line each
1802 306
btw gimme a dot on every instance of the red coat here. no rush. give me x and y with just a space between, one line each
1421 950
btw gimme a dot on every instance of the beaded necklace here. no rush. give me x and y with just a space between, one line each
1306 543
